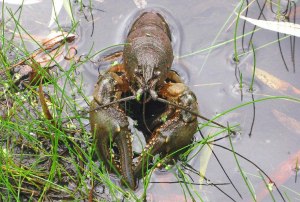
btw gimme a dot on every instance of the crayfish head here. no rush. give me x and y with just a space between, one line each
146 69
147 80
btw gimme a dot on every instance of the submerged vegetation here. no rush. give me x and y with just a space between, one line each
47 150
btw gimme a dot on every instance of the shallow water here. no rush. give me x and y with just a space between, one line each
212 76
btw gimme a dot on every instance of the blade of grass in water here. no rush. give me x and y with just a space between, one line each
241 171
249 103
254 67
267 186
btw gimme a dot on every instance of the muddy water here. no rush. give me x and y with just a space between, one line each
214 77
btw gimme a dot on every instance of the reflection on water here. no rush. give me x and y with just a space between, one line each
196 26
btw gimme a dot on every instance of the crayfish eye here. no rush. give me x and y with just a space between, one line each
138 71
157 73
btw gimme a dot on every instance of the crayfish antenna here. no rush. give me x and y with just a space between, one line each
113 102
193 113
144 118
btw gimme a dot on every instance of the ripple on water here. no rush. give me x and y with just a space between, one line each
237 137
238 89
242 56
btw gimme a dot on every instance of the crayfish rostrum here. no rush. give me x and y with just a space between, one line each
145 75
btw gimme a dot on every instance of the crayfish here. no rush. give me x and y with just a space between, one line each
145 75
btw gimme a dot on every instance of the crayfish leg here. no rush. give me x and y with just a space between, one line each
174 77
117 68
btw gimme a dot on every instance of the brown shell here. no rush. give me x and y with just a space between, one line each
149 46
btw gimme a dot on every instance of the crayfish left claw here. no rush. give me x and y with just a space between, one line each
110 128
